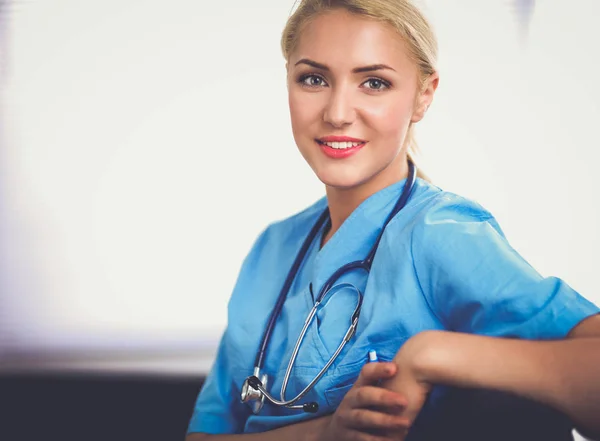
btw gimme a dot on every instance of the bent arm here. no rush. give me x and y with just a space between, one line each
509 321
563 374
304 431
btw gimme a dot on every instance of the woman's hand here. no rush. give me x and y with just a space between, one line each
414 361
369 412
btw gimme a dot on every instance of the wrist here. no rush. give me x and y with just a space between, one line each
451 358
427 354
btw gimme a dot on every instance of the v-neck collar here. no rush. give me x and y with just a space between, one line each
355 237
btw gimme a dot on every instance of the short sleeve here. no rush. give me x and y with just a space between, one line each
475 282
217 409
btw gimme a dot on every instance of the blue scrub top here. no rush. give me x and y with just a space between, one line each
443 263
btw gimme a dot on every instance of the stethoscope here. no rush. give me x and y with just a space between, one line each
254 389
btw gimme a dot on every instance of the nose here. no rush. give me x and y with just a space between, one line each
339 111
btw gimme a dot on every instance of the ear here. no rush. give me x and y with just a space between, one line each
425 97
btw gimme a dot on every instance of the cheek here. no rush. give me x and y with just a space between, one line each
390 119
303 110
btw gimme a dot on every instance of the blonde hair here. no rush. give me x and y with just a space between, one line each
402 15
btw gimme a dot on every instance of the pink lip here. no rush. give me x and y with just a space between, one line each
339 139
340 153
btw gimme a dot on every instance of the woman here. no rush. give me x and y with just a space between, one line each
443 286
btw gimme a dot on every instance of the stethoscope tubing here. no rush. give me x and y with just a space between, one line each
260 356
364 264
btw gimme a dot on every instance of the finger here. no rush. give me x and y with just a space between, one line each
370 420
371 373
371 396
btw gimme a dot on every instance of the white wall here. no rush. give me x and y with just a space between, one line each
145 146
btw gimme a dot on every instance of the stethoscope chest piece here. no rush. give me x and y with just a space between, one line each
253 396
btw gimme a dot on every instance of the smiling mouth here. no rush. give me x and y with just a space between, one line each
341 145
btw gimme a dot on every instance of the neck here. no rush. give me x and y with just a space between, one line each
343 201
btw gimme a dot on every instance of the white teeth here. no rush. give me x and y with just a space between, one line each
342 145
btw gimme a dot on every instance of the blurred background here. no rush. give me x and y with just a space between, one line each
144 145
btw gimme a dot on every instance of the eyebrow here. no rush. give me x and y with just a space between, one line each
370 68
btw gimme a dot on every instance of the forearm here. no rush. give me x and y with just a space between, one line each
305 431
564 374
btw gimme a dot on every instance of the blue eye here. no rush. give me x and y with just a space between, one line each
377 84
312 80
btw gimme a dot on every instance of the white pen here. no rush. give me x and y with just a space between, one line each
373 356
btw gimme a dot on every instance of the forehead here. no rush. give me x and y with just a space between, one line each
341 39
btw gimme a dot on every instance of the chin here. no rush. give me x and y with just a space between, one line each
337 179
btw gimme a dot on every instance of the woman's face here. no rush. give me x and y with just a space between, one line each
353 93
